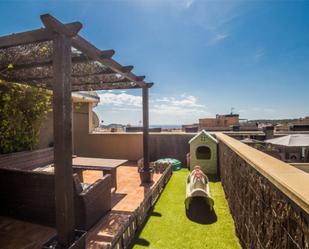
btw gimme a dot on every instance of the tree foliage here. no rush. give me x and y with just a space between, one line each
22 111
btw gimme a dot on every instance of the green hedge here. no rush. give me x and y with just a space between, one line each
22 111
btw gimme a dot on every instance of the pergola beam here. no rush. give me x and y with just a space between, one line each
96 87
83 45
127 69
87 87
47 62
124 82
78 82
47 82
149 85
34 36
92 78
52 24
75 77
107 73
140 78
75 80
99 88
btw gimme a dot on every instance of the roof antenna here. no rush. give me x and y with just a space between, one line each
232 110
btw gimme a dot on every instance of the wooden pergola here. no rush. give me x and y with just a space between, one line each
57 58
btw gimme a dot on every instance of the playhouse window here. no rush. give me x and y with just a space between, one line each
203 152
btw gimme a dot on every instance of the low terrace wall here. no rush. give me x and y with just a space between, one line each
268 199
125 145
130 145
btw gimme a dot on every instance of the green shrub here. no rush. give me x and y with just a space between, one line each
22 111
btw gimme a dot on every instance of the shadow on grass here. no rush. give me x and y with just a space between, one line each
141 242
137 239
200 212
157 214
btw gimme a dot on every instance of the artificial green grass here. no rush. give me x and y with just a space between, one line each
168 226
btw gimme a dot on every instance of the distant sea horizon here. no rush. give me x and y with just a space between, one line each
163 126
170 126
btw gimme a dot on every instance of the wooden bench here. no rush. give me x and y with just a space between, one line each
27 160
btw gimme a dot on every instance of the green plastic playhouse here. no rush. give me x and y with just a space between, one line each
203 152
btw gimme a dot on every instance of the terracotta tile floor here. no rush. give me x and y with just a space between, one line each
126 200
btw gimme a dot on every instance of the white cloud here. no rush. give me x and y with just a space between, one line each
259 54
122 99
176 5
211 15
188 3
218 38
182 109
177 110
183 104
127 108
183 101
132 101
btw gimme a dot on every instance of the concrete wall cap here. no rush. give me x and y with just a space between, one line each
291 181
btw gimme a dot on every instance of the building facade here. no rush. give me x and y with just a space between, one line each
221 121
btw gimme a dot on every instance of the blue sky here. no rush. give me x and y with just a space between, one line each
204 57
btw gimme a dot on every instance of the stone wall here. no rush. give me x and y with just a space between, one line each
264 216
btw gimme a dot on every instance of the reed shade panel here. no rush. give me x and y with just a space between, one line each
31 64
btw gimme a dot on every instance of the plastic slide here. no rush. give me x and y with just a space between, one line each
197 186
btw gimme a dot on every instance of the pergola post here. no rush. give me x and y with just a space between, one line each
146 170
62 111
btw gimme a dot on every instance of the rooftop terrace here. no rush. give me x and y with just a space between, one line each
267 199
